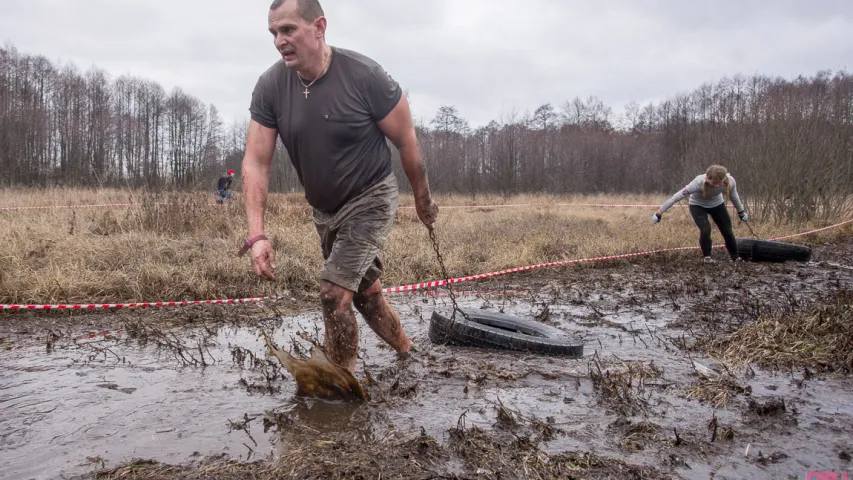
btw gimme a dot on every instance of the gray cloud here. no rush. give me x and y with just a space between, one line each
486 57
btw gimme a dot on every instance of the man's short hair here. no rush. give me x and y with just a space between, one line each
309 10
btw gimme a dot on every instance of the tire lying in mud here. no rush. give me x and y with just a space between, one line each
772 251
500 331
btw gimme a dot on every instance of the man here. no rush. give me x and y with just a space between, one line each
223 185
332 109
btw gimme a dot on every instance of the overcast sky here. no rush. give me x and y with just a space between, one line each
486 57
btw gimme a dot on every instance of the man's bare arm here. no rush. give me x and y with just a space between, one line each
260 146
257 162
400 129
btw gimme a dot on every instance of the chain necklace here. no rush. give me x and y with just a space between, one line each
325 67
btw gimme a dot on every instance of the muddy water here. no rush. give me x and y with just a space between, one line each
60 408
76 402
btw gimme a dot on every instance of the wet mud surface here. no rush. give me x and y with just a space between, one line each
653 397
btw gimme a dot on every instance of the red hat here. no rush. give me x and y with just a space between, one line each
230 172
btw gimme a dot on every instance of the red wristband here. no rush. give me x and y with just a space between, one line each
249 243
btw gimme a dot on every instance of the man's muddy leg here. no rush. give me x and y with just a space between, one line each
381 317
341 340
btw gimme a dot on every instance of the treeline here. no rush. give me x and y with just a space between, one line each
788 142
63 127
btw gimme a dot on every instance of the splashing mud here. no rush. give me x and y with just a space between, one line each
659 393
317 376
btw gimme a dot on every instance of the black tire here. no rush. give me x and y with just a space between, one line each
500 331
772 251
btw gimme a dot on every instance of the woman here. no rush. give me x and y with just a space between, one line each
706 198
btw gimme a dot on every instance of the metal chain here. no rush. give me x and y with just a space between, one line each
750 229
446 277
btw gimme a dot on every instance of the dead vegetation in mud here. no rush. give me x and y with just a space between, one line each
263 372
518 456
478 371
779 317
772 413
621 386
64 326
637 436
187 350
717 392
814 336
674 445
785 333
469 452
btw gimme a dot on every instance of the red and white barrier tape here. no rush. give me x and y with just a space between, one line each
438 283
401 288
447 207
813 231
48 207
513 205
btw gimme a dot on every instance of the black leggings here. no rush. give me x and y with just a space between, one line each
724 222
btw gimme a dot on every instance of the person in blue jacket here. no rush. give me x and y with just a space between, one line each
223 186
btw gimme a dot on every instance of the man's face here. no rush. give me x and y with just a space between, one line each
295 39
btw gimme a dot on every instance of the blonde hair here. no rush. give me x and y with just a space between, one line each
718 173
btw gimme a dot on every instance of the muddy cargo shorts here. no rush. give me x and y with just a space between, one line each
352 239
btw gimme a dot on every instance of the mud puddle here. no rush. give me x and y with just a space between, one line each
74 403
638 395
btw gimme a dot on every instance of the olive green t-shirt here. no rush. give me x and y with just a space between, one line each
332 136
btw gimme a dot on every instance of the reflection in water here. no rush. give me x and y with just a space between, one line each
326 416
306 423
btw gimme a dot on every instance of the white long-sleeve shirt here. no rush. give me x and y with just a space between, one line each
713 199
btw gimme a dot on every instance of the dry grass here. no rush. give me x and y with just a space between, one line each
639 435
819 338
621 386
717 392
178 246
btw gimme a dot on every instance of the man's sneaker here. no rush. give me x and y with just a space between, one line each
708 260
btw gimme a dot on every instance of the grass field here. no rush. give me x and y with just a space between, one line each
181 246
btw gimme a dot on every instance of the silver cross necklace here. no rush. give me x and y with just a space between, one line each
325 67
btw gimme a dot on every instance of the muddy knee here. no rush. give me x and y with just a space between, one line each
335 298
371 295
337 309
341 327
